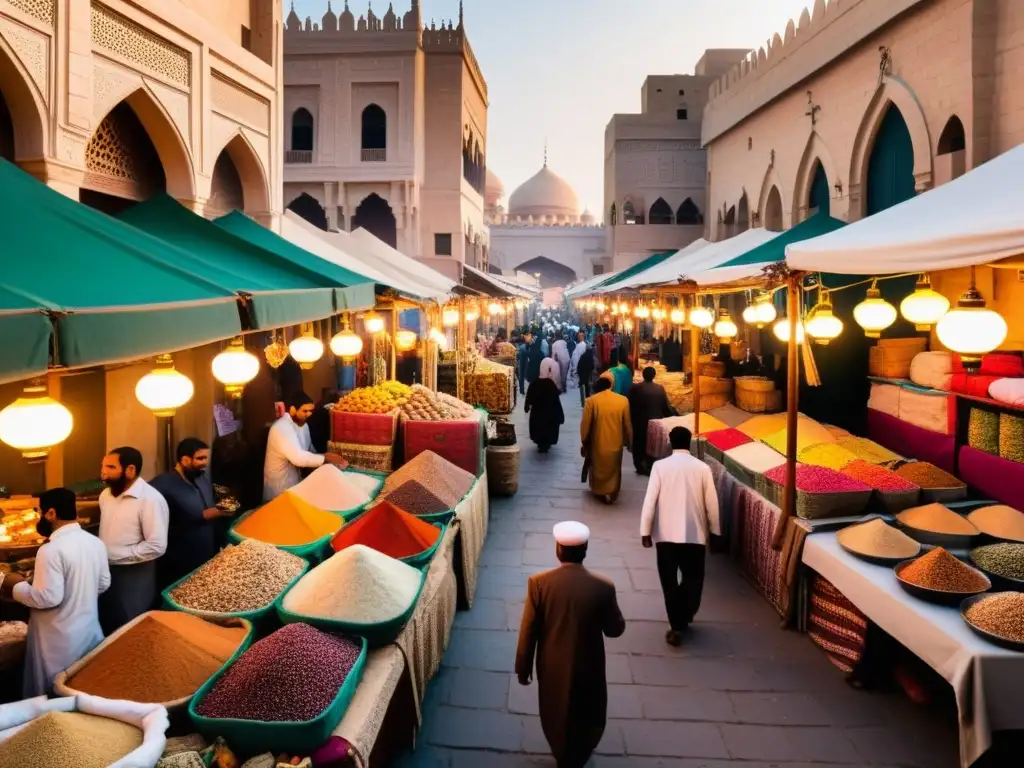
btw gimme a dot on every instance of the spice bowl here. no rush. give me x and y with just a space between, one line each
938 596
888 562
1002 642
1000 583
949 541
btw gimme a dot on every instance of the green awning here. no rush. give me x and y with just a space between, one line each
283 293
775 249
117 293
358 291
641 266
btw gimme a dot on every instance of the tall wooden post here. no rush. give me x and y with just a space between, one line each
394 341
695 368
792 410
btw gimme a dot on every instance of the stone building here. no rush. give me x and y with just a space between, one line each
861 104
386 129
111 102
655 167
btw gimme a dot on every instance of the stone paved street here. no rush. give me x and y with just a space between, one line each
739 692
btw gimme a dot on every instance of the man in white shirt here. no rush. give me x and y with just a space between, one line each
290 448
680 508
70 574
133 526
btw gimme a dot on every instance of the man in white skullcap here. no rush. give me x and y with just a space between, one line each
568 613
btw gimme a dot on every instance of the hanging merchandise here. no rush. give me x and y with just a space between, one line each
641 312
346 344
235 367
276 352
307 348
971 329
725 328
924 307
494 309
373 322
658 313
822 325
600 306
35 422
874 314
163 390
472 313
438 338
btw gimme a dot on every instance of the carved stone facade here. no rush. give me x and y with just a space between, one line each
70 68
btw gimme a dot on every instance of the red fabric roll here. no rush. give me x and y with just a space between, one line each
973 384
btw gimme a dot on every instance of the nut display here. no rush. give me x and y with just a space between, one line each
425 405
381 398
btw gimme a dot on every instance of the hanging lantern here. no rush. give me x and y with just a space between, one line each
677 317
701 317
725 328
781 331
766 313
346 344
438 338
405 340
641 312
971 329
163 390
623 308
235 367
750 314
924 307
874 314
600 306
472 313
494 308
373 322
822 325
35 422
658 313
276 352
450 317
627 324
307 348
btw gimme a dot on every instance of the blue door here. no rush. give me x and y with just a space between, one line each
891 165
819 200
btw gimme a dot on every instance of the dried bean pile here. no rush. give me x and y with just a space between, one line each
724 439
70 739
1001 559
1011 437
940 571
292 675
999 521
879 478
983 431
928 475
868 450
415 499
818 480
446 481
876 538
936 518
1001 614
245 577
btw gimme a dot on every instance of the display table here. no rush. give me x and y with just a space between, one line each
471 517
986 679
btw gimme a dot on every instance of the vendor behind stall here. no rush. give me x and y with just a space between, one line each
70 573
290 448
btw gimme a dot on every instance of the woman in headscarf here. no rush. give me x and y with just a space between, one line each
544 406
560 353
618 374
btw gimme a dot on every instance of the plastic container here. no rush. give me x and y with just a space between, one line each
255 736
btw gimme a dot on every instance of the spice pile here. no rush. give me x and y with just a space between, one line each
726 439
426 405
818 480
382 398
878 477
292 675
999 521
1001 614
868 450
928 476
389 530
72 739
358 585
415 499
876 538
245 577
289 521
368 484
938 570
827 455
446 481
936 518
327 487
166 656
756 457
1005 560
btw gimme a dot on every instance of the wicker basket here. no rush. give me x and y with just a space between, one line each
504 433
891 358
715 386
755 394
503 470
817 506
897 501
713 370
712 401
379 458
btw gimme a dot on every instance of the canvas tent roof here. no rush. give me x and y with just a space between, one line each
641 266
419 273
697 258
582 289
973 220
490 285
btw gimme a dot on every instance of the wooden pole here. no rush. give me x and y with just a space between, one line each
695 368
636 344
792 411
394 341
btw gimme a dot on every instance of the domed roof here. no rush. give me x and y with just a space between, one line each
494 190
544 194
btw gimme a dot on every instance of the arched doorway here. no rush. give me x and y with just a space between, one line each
628 213
743 214
6 131
891 164
661 213
689 213
23 119
375 216
226 193
241 183
952 139
306 206
302 130
773 211
819 199
374 134
550 273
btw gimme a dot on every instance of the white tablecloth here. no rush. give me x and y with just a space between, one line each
988 680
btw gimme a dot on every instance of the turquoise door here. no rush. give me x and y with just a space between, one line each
891 165
819 200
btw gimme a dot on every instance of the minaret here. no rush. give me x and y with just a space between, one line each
545 152
461 18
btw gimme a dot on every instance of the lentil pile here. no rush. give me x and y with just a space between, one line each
327 487
818 480
290 521
724 439
292 675
358 585
390 530
415 499
827 455
245 577
70 738
878 477
1001 559
940 571
999 521
868 450
1011 437
928 475
446 481
876 538
166 656
983 431
936 518
1001 614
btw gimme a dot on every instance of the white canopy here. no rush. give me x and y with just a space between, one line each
727 275
385 255
500 285
709 256
641 278
973 220
581 289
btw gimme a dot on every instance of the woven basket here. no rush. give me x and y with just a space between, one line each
504 433
816 506
714 386
714 370
891 358
897 501
503 470
712 401
379 458
746 476
755 394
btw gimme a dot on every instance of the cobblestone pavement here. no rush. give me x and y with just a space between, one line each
739 692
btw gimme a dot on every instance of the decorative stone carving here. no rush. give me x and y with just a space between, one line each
127 39
230 98
108 153
109 86
177 105
37 9
71 147
33 51
656 146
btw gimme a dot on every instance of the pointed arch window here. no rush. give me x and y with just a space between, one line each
628 213
689 213
661 212
613 216
374 134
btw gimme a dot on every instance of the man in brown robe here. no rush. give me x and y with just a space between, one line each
567 615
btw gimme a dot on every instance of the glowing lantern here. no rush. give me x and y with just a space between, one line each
494 308
750 314
701 317
600 306
874 314
373 323
163 390
658 313
822 325
641 312
450 317
725 328
677 317
971 329
766 313
307 348
405 340
781 331
346 344
235 367
472 313
924 307
35 422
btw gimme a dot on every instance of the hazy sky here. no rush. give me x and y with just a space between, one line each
561 68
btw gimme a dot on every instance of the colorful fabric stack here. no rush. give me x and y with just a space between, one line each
836 625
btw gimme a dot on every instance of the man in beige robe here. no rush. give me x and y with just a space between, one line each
605 430
568 613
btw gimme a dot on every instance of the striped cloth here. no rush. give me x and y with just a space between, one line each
836 626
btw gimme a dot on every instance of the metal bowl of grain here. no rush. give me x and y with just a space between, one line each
939 577
997 618
939 526
1003 564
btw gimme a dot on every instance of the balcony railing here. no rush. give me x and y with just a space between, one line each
298 156
374 155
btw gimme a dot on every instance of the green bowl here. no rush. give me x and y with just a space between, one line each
314 551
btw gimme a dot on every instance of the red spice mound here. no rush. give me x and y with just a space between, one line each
725 439
879 478
388 529
812 479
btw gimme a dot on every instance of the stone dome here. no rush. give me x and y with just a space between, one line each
545 194
494 190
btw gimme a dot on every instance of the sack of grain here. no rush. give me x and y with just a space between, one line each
885 398
891 358
932 369
932 412
983 431
1011 437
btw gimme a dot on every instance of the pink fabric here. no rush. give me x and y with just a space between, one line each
1010 391
995 478
910 441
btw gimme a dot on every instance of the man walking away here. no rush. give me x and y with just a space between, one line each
680 509
568 613
585 370
647 401
604 431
